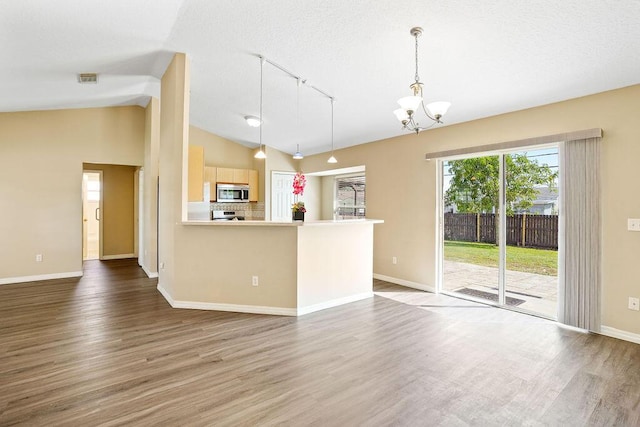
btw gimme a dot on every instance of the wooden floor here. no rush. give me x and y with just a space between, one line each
107 349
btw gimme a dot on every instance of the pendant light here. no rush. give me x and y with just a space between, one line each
298 155
260 154
332 159
410 104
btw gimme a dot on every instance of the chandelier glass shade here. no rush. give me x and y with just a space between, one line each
410 105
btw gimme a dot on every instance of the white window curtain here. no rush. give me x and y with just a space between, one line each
580 225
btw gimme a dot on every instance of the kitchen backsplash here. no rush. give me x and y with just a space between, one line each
250 211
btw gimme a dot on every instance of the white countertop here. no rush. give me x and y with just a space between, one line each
282 223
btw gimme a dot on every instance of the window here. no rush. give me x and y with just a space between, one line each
93 191
350 197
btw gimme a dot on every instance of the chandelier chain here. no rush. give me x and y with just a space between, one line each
417 76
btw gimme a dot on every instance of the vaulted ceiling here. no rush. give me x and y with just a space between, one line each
486 58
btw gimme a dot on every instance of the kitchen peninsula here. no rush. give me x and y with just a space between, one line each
282 268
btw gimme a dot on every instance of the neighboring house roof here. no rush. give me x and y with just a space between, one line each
546 196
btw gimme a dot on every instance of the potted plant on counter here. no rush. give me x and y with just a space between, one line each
298 209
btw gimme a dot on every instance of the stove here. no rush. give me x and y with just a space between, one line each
226 216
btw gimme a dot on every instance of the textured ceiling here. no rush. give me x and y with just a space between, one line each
486 58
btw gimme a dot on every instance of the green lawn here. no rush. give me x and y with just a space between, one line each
540 261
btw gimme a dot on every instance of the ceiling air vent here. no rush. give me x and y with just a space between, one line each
87 78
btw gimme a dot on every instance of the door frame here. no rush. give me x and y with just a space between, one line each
100 207
502 225
272 191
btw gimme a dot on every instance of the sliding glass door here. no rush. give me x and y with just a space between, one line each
470 203
499 222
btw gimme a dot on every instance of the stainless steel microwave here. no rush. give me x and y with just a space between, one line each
232 193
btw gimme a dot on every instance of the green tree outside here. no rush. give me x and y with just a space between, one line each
475 186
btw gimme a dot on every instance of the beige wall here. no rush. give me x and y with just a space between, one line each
221 152
217 264
41 157
148 259
118 208
397 166
334 262
328 196
174 145
312 198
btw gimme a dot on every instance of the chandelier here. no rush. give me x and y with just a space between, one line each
410 104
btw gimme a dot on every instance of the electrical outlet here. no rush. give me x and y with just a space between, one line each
38 257
254 281
634 303
394 260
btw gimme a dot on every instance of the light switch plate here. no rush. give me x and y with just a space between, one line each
633 224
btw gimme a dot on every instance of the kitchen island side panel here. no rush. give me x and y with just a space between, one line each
335 263
216 265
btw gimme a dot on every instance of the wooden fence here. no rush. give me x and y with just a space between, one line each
534 231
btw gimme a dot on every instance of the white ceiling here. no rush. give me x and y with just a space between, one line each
485 57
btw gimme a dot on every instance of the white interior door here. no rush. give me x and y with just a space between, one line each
281 196
91 192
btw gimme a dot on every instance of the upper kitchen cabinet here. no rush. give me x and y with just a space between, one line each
233 176
225 175
211 176
253 185
241 176
196 173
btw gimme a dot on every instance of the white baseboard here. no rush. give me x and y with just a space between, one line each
23 279
406 283
622 335
165 293
149 274
256 309
118 256
333 303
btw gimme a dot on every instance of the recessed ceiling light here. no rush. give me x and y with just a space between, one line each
88 78
253 121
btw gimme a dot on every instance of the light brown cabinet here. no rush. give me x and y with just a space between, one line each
211 176
233 176
225 175
196 174
241 176
253 185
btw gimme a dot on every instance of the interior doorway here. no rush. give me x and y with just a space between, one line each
499 229
281 195
91 211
